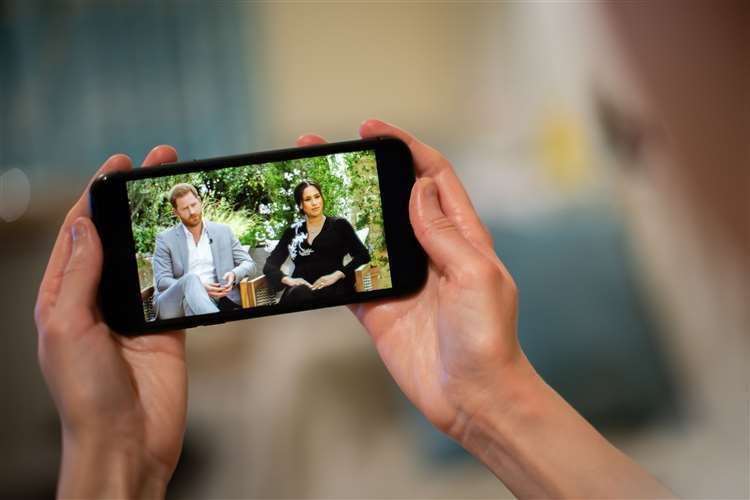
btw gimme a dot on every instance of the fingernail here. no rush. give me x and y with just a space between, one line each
430 190
78 230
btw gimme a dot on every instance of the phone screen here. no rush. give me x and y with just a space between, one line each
285 232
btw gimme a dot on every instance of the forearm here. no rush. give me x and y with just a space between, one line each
286 280
539 446
98 469
357 260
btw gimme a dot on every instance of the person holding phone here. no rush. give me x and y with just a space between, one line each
452 348
317 245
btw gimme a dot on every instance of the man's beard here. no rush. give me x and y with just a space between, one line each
193 221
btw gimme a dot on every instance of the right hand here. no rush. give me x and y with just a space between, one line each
452 347
217 290
288 281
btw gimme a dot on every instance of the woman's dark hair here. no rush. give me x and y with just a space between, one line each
301 189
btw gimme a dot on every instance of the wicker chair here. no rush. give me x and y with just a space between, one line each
147 297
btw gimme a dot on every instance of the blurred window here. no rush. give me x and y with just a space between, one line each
83 80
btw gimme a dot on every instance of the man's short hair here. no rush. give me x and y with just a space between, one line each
180 190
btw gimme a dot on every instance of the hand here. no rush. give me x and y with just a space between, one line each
327 280
122 400
229 279
216 290
289 281
451 347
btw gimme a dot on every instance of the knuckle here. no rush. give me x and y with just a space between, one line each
477 274
51 330
39 315
437 226
508 288
435 158
485 232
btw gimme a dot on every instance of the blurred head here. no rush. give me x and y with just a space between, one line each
689 59
309 198
186 204
687 62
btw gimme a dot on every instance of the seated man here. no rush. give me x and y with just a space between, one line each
191 256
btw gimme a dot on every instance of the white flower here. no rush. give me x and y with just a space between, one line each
288 176
264 209
295 246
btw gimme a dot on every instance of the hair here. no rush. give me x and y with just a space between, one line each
301 189
180 190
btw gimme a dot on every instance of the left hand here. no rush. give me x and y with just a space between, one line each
327 280
122 400
229 280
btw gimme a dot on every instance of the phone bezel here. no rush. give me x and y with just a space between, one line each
120 295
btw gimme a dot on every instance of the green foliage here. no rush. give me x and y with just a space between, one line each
257 202
220 211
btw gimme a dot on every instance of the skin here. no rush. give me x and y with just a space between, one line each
452 348
122 401
312 206
189 209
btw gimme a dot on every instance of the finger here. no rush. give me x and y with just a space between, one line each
310 140
50 285
80 279
431 163
438 235
159 155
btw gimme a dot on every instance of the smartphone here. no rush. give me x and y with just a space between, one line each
289 230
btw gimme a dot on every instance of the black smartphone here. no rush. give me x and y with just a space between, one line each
289 230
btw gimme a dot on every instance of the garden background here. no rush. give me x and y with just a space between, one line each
257 202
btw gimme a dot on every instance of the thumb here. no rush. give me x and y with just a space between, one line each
438 235
81 277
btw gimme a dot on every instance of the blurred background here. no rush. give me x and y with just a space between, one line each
631 264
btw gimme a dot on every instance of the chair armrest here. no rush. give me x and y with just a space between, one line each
366 277
147 298
147 293
255 292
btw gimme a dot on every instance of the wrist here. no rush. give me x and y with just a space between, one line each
499 434
104 468
540 447
513 400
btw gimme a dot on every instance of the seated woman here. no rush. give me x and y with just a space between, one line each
317 246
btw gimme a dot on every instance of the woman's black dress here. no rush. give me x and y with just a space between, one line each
326 255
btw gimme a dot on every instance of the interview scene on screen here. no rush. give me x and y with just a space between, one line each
286 232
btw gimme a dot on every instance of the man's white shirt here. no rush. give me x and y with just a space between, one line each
200 258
